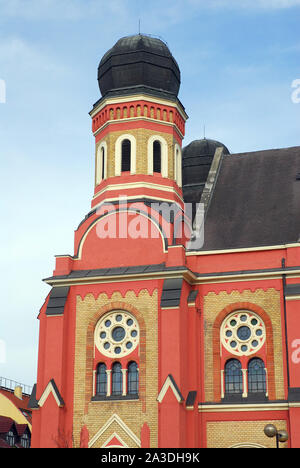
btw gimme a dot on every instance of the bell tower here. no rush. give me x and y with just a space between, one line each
139 122
104 356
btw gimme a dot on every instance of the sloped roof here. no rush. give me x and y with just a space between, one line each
21 428
22 405
256 201
5 424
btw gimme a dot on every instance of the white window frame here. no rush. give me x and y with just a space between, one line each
118 154
164 155
102 146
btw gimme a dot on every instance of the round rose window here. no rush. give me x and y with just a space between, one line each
243 333
117 334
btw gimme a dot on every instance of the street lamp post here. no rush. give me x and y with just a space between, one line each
271 431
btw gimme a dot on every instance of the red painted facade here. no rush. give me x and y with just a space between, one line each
182 329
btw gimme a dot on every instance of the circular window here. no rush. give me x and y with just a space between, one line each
117 334
243 333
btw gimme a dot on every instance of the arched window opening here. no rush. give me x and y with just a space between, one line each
233 377
117 379
126 155
256 376
156 156
101 380
132 379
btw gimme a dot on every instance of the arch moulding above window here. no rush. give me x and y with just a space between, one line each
101 172
164 155
118 154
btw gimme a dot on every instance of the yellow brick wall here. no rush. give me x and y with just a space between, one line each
269 301
227 434
142 136
133 413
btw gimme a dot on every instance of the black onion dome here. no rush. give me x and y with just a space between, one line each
138 61
197 158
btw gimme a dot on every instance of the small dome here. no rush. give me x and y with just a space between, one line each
139 61
197 158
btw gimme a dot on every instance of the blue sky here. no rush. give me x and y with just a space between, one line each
238 59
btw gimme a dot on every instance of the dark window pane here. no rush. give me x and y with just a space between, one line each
126 153
103 163
233 377
101 380
256 376
156 157
117 379
132 379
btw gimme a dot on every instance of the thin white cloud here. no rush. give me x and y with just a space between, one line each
60 9
14 50
74 10
245 4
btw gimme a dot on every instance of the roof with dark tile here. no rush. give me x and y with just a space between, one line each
117 271
256 201
21 428
5 424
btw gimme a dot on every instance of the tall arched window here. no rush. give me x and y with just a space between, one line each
101 380
157 151
233 377
101 162
256 376
156 156
132 379
116 379
126 155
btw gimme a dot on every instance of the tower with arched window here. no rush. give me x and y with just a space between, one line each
174 323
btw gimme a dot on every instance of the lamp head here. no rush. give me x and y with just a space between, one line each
270 430
283 436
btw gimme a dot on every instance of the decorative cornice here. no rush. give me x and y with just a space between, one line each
162 272
227 408
136 185
135 98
